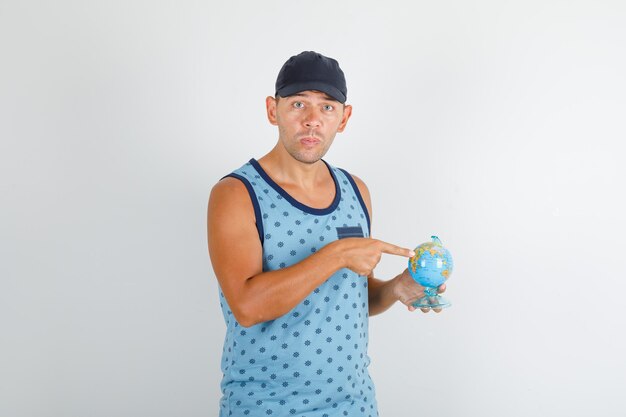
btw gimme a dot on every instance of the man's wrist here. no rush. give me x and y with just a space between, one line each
394 284
333 255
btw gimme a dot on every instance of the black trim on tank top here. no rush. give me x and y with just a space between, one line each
358 195
255 203
293 201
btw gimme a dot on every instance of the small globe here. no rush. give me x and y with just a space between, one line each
432 264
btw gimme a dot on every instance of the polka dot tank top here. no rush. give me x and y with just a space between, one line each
311 362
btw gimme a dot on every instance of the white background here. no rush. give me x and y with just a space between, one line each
496 125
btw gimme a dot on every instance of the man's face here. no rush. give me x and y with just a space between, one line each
307 123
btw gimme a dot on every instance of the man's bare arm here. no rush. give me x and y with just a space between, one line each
255 296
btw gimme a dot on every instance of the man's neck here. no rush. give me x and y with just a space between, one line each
287 171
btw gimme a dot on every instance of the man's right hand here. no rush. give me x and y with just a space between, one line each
361 255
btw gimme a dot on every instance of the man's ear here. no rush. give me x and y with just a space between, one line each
270 106
347 112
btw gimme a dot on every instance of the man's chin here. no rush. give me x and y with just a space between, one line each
308 158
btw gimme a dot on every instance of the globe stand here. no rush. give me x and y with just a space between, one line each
431 300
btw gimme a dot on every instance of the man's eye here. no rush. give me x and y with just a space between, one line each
328 107
298 104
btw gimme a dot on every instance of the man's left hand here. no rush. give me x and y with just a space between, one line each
407 291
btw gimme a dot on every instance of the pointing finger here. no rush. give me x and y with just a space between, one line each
395 250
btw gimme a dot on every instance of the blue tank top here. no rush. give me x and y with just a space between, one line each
313 360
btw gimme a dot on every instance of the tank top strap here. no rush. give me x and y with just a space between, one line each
352 194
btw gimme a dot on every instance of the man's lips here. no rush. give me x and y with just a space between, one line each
309 141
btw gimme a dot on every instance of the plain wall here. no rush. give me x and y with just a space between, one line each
496 125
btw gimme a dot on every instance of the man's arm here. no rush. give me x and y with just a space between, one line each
383 294
255 296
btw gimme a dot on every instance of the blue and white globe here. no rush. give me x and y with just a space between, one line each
430 267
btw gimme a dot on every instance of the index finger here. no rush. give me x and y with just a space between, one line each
395 250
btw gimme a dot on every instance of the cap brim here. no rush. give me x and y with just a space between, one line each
312 85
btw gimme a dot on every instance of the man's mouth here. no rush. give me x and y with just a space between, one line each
309 141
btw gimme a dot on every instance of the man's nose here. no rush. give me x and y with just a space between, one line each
312 119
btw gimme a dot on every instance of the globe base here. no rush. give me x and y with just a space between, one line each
431 300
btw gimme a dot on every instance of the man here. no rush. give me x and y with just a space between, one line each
289 240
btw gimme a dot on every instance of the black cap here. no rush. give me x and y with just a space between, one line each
312 71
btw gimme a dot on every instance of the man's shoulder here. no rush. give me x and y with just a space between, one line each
357 180
232 189
365 192
234 182
229 199
230 184
361 189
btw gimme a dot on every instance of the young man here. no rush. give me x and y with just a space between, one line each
289 240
